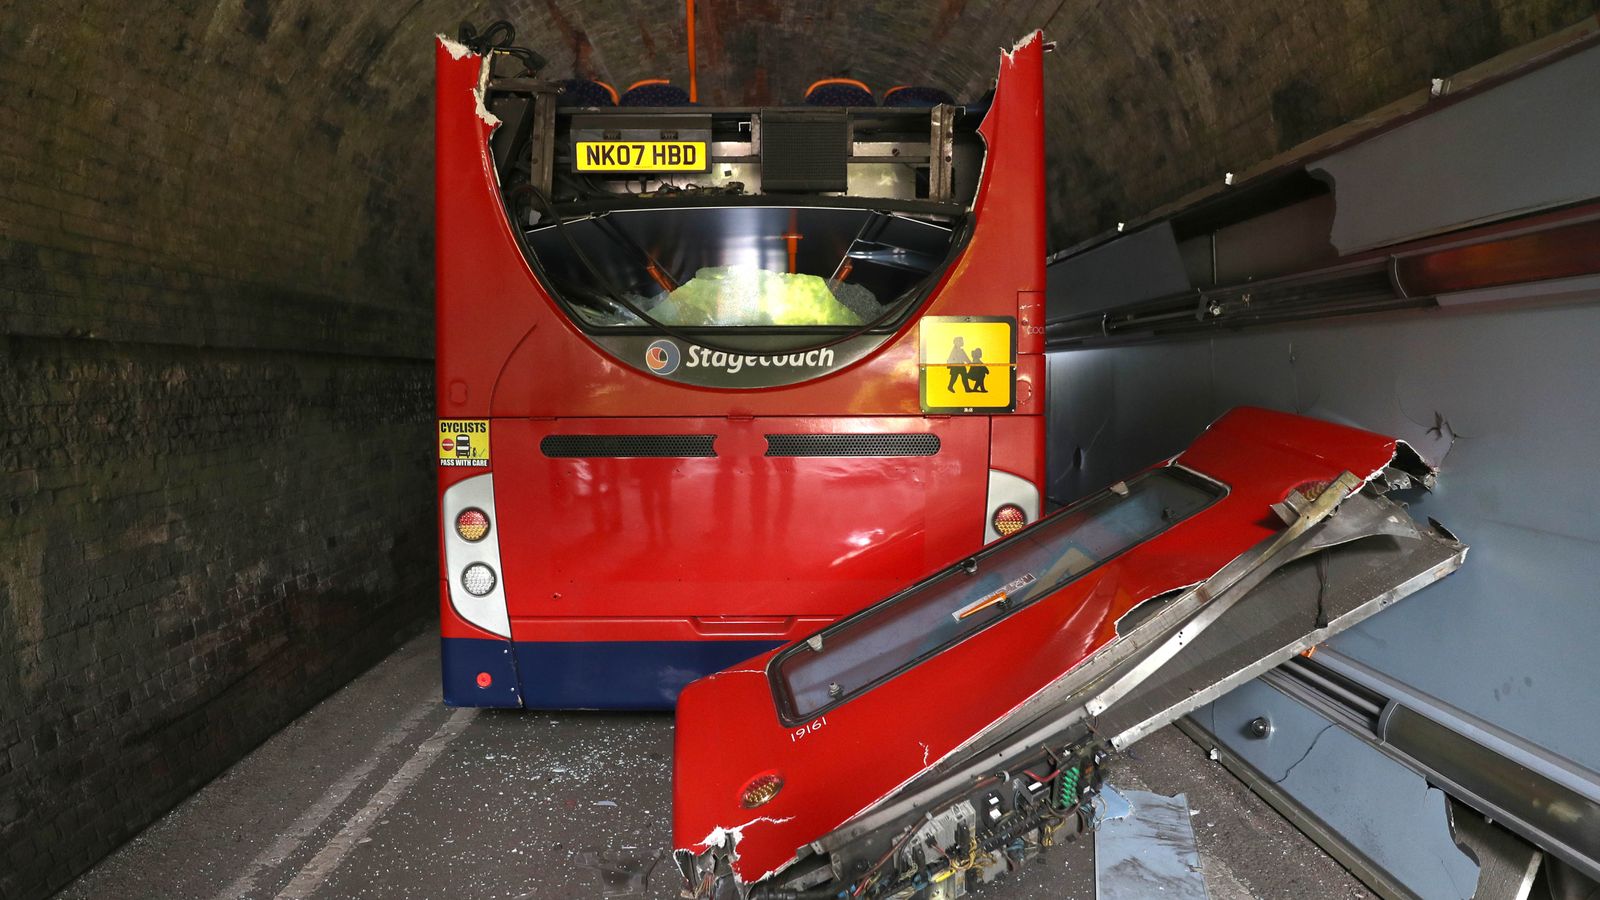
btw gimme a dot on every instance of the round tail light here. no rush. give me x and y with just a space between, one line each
1009 519
760 789
472 525
478 579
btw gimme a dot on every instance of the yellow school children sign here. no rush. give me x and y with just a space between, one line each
969 364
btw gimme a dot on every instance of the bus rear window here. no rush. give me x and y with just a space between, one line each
740 266
884 640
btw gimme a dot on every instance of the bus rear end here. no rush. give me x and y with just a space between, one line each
710 378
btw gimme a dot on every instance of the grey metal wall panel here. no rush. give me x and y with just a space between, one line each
1507 402
1095 438
1525 145
1133 267
1384 810
1291 239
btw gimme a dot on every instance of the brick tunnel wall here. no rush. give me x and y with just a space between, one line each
215 331
215 401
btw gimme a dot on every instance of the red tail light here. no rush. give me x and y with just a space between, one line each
1009 519
472 525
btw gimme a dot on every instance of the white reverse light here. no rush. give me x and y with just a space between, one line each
478 579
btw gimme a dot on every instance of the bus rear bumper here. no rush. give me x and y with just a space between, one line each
621 674
632 675
479 672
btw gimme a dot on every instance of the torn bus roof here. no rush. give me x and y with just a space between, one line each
479 79
937 732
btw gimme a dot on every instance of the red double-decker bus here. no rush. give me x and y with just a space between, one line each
709 377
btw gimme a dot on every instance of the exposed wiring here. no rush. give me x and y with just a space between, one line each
497 38
871 877
967 856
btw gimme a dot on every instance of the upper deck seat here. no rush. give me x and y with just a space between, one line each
916 95
584 92
654 92
839 92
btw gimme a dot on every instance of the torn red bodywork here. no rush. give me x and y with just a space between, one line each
835 765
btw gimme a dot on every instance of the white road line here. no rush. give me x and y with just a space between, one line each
295 836
328 859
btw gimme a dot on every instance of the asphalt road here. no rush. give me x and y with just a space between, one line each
382 792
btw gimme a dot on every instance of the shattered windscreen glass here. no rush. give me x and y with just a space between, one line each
873 646
745 266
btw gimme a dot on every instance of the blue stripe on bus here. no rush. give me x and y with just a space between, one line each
462 660
621 674
584 674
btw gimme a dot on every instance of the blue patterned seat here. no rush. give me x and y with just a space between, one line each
916 95
583 92
654 92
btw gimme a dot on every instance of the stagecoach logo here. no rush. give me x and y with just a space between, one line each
662 357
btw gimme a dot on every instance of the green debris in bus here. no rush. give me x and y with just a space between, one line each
747 295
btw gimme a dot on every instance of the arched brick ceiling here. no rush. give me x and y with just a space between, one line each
289 143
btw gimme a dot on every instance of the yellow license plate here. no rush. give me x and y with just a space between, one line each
643 156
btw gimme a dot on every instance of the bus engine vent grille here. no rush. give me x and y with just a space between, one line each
626 445
852 444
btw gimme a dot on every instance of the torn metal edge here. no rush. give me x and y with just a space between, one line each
481 91
458 50
730 837
1009 63
720 834
455 48
1022 43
